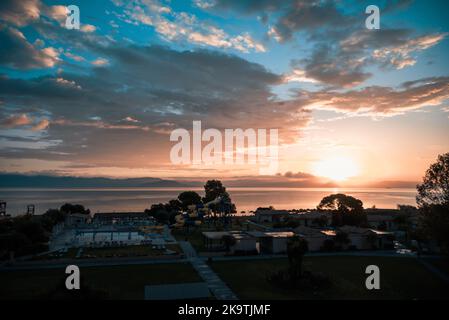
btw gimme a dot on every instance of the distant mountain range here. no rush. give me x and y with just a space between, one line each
9 180
45 181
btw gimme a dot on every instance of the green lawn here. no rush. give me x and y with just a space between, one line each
120 282
401 278
70 254
441 264
128 251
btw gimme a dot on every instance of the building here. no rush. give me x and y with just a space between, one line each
77 219
125 218
270 215
312 218
315 237
272 242
244 242
367 239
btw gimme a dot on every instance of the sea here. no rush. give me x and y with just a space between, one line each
245 199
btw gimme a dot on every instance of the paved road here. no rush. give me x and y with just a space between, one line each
218 288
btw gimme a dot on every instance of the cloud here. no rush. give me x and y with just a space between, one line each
298 175
327 67
186 27
343 63
16 121
20 13
18 53
23 120
68 83
399 56
128 106
298 75
100 62
291 16
88 28
41 125
58 13
376 101
74 56
342 50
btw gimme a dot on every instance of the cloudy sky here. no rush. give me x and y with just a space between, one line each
371 105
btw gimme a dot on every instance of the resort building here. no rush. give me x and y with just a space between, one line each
77 219
367 239
215 241
315 237
124 218
248 242
270 215
312 218
272 242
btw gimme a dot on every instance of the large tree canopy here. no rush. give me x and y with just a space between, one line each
347 210
214 189
435 186
341 203
188 198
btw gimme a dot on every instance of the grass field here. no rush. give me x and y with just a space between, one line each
120 282
401 278
441 264
70 254
127 251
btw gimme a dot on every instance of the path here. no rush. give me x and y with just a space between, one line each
434 270
218 288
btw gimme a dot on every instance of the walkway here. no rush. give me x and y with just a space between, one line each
443 276
218 288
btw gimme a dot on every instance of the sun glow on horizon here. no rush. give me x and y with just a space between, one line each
336 168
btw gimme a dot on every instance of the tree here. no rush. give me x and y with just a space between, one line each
296 249
228 241
12 242
347 210
188 198
52 217
159 212
74 208
175 204
342 238
433 202
214 189
434 224
435 187
32 229
320 222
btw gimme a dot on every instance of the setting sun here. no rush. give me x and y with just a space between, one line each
336 168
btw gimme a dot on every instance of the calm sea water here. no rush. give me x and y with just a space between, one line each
246 199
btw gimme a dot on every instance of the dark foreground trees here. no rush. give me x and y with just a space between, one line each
29 234
433 202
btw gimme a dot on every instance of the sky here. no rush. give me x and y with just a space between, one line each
351 105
